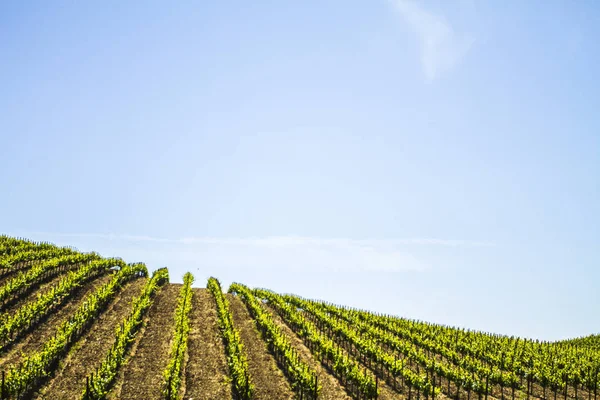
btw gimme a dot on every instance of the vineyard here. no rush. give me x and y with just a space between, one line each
77 325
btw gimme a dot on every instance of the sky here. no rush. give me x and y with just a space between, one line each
438 160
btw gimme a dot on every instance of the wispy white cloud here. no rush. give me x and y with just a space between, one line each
270 241
442 47
292 252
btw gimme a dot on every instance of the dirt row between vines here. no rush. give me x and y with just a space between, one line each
44 331
206 373
142 374
91 349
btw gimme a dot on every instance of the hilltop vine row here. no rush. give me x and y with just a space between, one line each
172 374
234 349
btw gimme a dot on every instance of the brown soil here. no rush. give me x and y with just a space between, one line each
269 381
206 373
69 381
36 339
330 387
142 376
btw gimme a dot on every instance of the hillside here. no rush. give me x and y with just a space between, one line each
78 326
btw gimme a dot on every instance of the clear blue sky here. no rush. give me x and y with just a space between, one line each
433 159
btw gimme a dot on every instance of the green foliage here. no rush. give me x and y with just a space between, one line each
172 374
302 376
11 324
234 349
10 245
417 352
343 366
99 382
9 261
369 342
26 279
24 376
474 361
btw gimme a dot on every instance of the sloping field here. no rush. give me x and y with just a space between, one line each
79 326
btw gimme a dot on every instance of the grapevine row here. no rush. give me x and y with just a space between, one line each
362 383
462 373
25 281
27 374
10 245
99 382
236 356
12 325
303 377
10 262
172 374
508 360
367 346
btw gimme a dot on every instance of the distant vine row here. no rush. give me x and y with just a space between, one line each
9 245
9 262
11 324
25 281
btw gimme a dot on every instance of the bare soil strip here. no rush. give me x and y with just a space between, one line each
269 381
36 339
206 373
69 381
143 373
331 389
